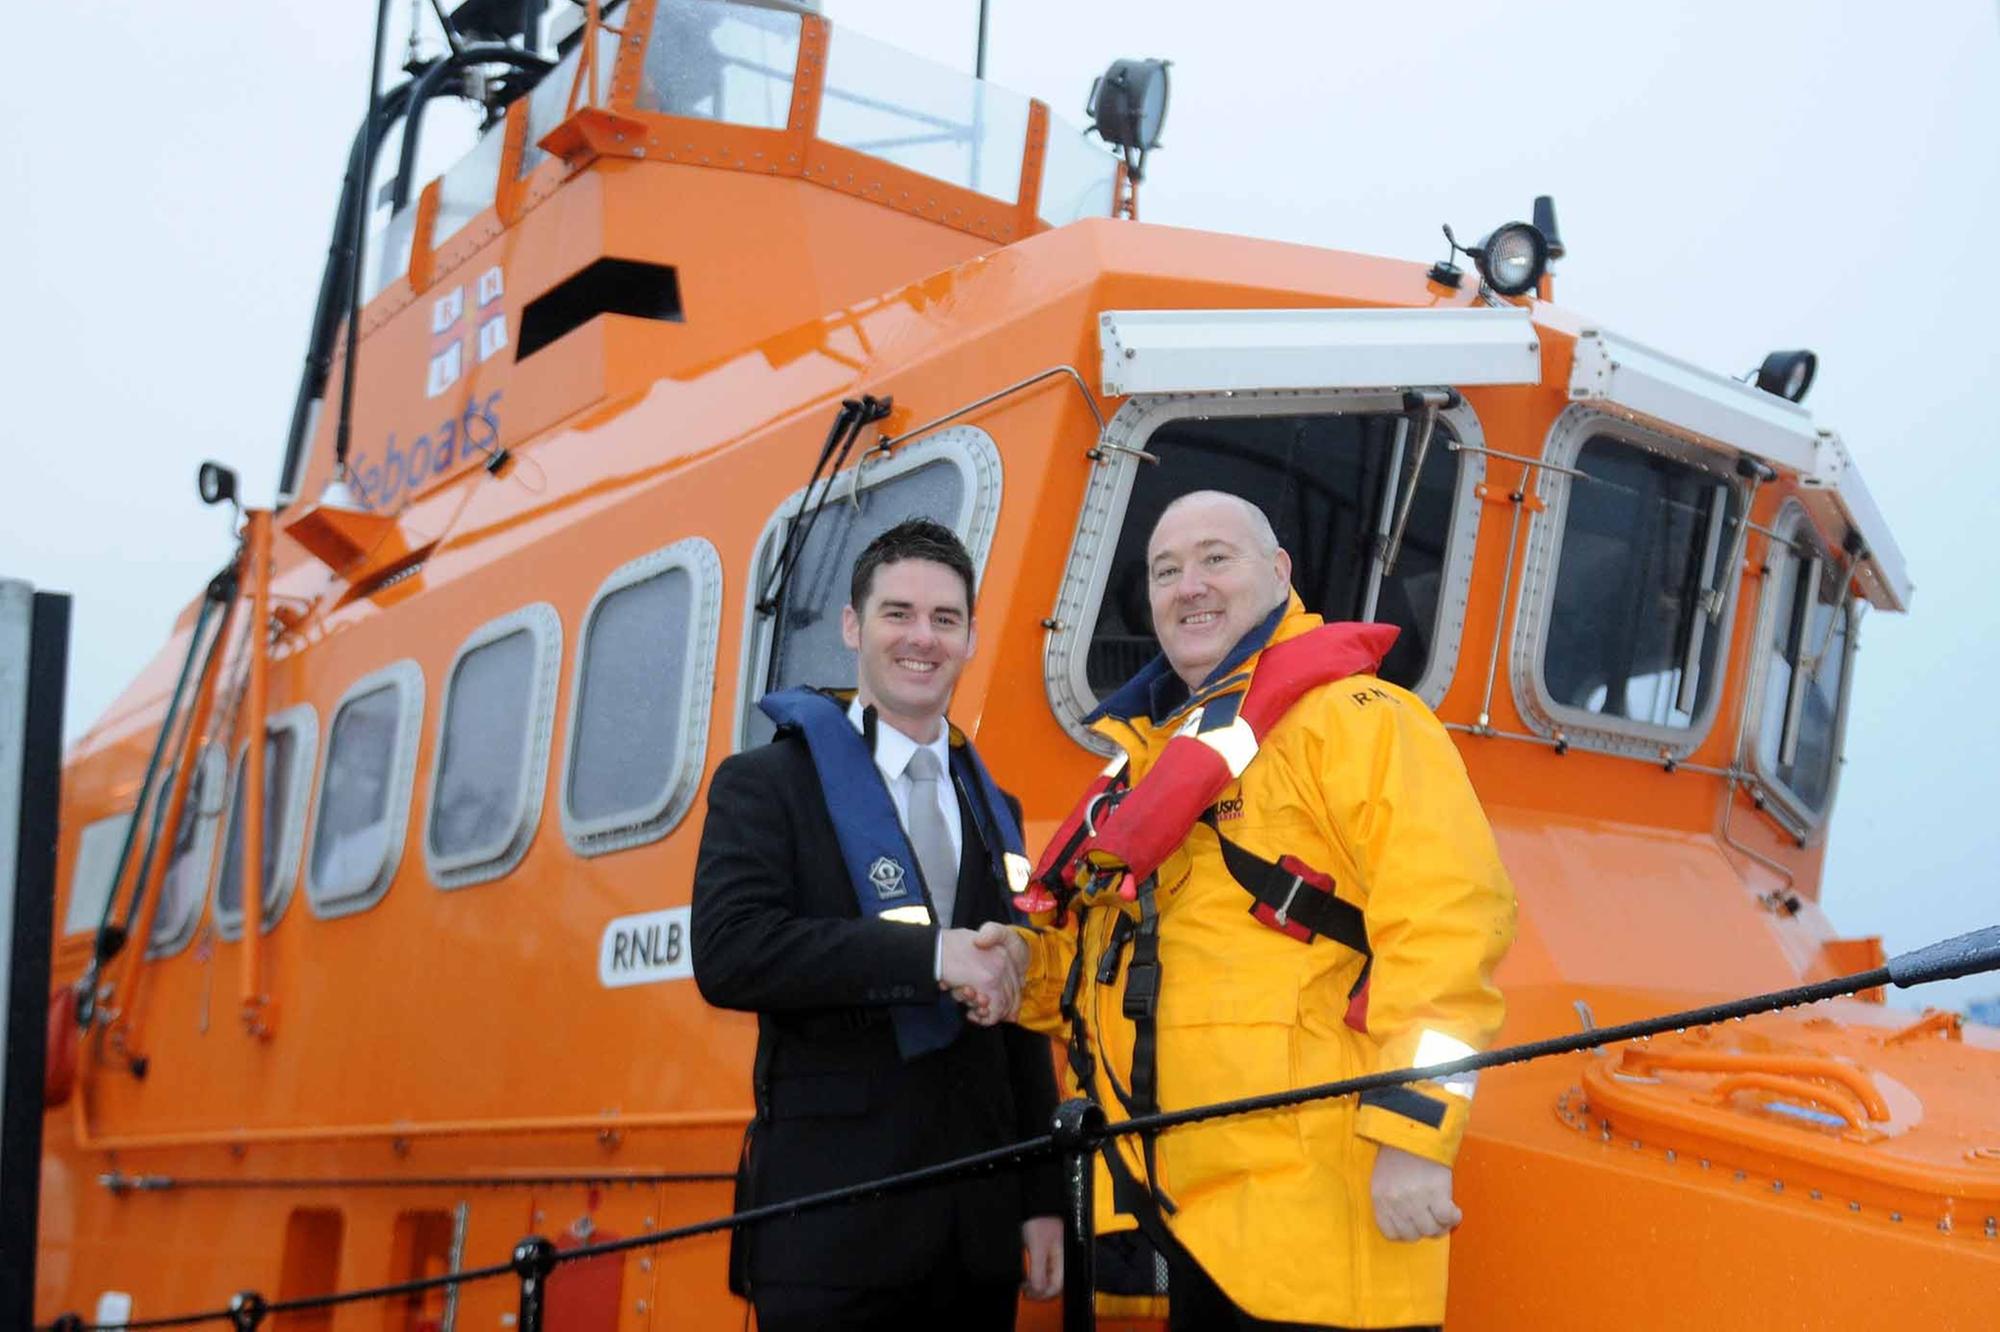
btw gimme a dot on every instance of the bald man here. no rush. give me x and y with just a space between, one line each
1310 893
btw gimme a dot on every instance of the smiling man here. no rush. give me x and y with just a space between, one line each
1286 880
842 867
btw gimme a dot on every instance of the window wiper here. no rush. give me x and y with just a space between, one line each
1427 403
854 414
1708 594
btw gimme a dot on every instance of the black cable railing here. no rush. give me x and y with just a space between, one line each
1078 1133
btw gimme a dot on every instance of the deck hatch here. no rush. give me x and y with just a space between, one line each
608 286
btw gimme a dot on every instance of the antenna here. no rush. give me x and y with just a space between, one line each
979 57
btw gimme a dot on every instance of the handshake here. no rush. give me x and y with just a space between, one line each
984 969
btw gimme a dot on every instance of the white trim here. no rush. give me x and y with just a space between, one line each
1652 388
1837 498
654 819
478 864
407 679
1662 391
210 770
1793 521
1094 546
303 721
968 448
1185 351
1573 429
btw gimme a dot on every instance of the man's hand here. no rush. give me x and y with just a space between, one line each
1042 1237
982 974
1412 1196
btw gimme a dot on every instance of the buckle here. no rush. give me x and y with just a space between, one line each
1142 989
1284 916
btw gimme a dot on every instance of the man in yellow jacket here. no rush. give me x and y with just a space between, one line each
1337 909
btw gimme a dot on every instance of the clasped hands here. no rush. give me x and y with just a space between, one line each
984 969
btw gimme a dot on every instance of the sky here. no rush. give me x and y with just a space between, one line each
1730 179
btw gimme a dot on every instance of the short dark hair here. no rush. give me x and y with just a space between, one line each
912 539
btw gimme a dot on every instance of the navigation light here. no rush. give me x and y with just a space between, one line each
1788 373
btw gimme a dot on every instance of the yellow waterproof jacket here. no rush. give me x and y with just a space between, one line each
1360 781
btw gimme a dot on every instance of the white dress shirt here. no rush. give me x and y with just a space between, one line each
892 756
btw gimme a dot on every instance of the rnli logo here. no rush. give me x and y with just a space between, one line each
1229 809
887 876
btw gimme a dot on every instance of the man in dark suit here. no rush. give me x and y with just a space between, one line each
844 869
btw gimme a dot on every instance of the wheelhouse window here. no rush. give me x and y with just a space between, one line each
91 873
1808 637
639 707
1643 585
185 884
364 793
290 737
493 748
1332 475
952 477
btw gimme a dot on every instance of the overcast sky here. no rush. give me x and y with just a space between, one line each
1731 178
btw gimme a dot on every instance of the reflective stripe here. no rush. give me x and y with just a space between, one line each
907 915
1236 743
1018 871
1434 1047
1116 766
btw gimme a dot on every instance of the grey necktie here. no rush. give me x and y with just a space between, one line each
929 837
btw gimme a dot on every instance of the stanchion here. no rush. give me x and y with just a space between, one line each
534 1258
246 1311
1076 1128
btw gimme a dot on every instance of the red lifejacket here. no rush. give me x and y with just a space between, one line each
1154 817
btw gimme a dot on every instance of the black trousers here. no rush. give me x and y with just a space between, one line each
1197 1304
947 1298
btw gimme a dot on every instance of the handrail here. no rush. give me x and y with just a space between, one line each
1836 1100
1079 1131
255 1003
1812 1067
127 1028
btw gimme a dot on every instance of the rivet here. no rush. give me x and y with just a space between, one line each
1704 1163
1944 1225
639 1306
1777 1186
1895 1216
1672 1156
1739 1176
647 1223
1854 1207
1816 1195
645 1264
1635 1144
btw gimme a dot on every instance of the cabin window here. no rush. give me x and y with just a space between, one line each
548 101
1637 611
922 116
185 884
1808 632
364 792
952 476
493 747
90 876
712 61
639 705
1077 175
290 738
1331 474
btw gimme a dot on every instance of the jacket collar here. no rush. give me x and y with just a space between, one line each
1157 693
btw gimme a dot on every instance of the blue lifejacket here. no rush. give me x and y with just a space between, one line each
880 864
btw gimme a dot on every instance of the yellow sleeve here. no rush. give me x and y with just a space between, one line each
1049 954
1439 908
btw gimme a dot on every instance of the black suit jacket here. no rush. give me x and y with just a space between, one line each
776 930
